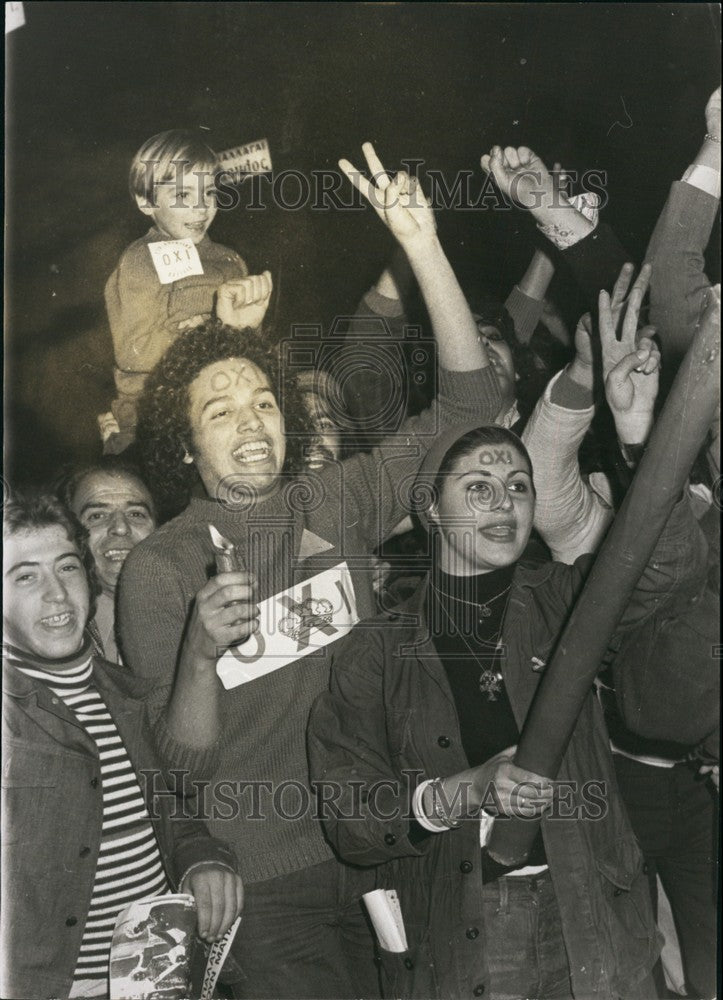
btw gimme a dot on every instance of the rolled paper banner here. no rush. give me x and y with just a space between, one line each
676 439
227 558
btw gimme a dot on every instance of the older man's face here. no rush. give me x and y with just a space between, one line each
117 510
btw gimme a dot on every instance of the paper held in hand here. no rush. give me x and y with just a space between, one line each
292 624
386 916
151 948
151 951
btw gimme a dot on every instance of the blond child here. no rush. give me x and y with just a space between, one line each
173 181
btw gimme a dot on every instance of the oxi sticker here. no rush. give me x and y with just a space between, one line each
253 158
292 624
175 259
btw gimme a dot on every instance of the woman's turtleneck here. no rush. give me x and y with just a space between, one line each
466 639
466 615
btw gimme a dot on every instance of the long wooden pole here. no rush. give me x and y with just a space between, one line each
675 441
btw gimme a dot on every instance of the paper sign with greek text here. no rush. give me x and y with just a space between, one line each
14 16
253 158
292 624
216 958
175 259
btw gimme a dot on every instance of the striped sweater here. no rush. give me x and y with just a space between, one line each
129 862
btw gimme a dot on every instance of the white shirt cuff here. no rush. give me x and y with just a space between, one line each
434 826
704 178
485 828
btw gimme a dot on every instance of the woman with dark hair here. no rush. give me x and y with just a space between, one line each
417 737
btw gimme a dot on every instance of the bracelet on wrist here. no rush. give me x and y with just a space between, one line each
440 808
420 813
712 138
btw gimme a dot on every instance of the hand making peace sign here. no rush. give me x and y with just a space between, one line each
632 363
398 201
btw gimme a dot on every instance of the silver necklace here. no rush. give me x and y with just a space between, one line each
490 681
484 608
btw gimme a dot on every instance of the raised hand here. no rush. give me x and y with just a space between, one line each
632 363
582 367
243 302
522 176
399 201
224 614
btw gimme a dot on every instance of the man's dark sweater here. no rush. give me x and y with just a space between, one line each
349 509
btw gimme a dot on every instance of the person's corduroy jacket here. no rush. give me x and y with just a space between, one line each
52 811
389 721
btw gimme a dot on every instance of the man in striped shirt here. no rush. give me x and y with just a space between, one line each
80 841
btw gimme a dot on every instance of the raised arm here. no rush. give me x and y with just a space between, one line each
374 488
678 243
571 516
526 301
588 248
631 372
401 205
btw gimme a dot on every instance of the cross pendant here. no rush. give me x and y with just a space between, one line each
490 684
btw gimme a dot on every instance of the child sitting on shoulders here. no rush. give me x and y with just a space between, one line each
157 291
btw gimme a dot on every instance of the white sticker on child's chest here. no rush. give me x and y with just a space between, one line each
175 259
292 624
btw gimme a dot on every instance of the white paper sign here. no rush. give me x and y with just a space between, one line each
292 624
14 16
175 259
253 158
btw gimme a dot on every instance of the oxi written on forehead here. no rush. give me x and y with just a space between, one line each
493 454
237 372
235 375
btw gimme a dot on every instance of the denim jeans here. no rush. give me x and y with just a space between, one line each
674 816
525 949
307 935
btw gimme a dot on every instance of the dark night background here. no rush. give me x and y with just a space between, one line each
89 82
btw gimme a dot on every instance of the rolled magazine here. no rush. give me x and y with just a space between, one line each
152 949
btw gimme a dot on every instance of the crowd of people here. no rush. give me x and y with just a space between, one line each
335 707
